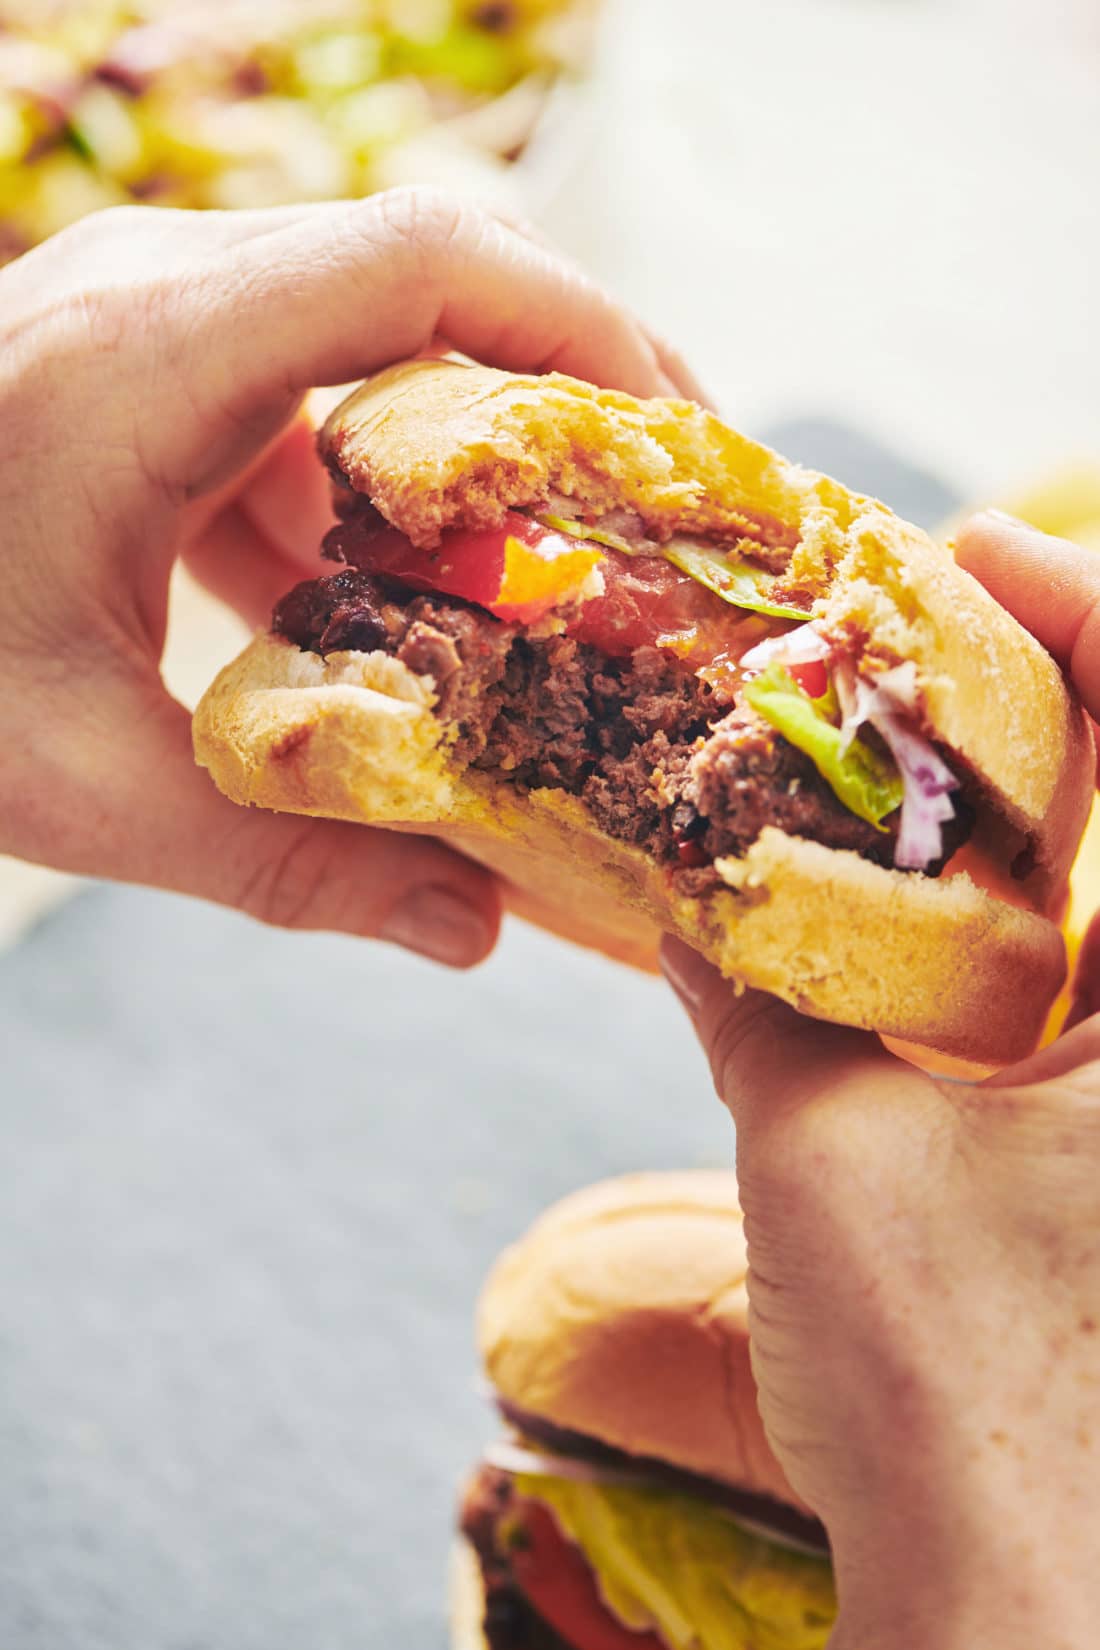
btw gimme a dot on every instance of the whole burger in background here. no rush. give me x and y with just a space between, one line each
633 1502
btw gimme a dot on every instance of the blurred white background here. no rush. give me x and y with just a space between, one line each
881 210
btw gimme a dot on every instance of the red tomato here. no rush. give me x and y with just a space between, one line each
555 1577
519 571
645 598
811 677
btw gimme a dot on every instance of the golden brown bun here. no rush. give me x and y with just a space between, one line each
434 443
622 1314
937 962
465 1598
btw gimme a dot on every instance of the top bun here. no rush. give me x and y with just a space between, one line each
435 443
622 1314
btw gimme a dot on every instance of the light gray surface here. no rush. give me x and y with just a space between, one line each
250 1184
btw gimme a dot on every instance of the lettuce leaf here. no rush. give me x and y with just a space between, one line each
669 1561
736 580
868 784
580 530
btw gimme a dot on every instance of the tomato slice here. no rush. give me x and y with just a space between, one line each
812 677
553 1574
519 571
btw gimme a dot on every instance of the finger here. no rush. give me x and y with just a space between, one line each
243 567
1078 1046
768 1062
826 1120
1051 586
248 544
263 537
1086 981
354 286
94 251
682 381
678 378
288 498
284 491
144 812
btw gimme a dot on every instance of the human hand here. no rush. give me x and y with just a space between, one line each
151 367
925 1269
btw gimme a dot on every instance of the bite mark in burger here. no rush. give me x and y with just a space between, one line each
681 680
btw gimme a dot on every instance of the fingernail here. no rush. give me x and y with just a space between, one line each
438 923
685 971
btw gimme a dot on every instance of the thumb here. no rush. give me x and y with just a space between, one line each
141 811
1050 585
766 1059
817 1107
1086 982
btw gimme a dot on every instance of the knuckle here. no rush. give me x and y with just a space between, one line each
744 1038
111 223
428 221
290 888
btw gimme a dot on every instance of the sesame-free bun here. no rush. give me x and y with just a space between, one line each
465 1597
622 1314
436 443
935 961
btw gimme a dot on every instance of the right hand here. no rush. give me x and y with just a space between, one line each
924 1277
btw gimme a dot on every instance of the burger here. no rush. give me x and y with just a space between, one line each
659 678
633 1502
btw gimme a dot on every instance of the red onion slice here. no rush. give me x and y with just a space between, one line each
517 1458
889 704
803 646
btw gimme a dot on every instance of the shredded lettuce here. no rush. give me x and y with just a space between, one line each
579 530
736 580
730 576
867 783
670 1562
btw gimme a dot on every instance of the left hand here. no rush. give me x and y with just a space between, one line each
152 365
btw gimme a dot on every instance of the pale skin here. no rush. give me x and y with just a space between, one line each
151 368
925 1258
925 1268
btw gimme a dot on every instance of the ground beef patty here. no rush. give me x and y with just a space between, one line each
510 1622
661 760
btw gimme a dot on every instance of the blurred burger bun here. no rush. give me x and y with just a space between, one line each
623 1314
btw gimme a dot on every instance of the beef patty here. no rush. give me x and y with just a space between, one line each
662 760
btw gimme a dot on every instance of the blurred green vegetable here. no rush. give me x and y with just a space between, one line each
235 102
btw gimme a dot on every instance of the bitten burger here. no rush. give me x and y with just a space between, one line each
659 678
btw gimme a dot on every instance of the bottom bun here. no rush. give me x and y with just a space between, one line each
466 1598
934 961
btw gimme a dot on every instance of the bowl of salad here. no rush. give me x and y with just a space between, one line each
240 103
